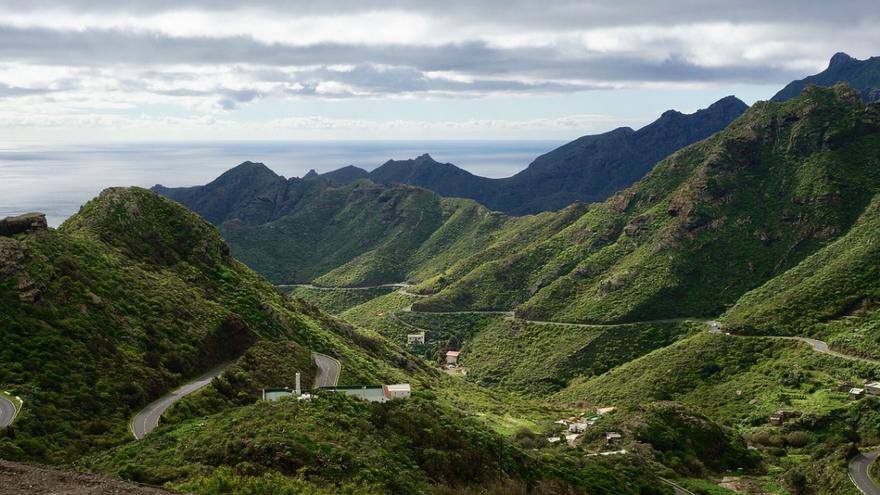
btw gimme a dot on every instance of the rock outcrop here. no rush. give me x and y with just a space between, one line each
23 223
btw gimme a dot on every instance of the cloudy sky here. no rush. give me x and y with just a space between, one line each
116 70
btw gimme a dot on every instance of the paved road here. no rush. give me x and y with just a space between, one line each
858 473
817 345
679 490
7 412
328 370
148 419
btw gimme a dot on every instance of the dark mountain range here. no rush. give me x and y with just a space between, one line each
588 169
863 75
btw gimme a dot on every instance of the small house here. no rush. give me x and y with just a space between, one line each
397 391
452 357
605 410
415 338
578 427
856 393
612 437
872 388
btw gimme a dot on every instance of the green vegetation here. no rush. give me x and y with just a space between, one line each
127 299
338 441
832 294
543 358
336 301
733 380
709 223
264 365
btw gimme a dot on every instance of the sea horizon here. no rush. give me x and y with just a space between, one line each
57 180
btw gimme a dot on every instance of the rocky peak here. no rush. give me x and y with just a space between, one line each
840 59
28 222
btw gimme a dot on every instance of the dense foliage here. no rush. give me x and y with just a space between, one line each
125 300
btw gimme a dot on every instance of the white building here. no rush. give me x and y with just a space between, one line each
415 338
452 357
397 391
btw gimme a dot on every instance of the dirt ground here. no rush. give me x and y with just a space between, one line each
16 478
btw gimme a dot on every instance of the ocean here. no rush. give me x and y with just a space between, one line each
58 180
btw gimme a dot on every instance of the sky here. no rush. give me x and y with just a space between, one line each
80 71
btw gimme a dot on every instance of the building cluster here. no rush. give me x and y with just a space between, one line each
857 390
576 425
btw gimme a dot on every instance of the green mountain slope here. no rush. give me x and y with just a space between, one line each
832 293
708 224
124 301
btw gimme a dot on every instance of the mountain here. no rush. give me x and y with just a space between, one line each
590 168
124 301
863 75
834 294
709 223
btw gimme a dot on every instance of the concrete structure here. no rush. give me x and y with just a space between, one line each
856 393
415 338
613 437
272 394
398 391
375 393
578 427
872 388
452 357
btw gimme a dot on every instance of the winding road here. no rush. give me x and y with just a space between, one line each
148 419
817 345
8 411
858 473
328 370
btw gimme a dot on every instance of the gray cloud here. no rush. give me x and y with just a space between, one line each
102 47
533 13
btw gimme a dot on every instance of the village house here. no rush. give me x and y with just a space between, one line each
415 338
578 427
613 437
397 391
856 393
872 388
452 357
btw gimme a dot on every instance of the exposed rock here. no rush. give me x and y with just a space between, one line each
23 223
38 480
27 289
12 257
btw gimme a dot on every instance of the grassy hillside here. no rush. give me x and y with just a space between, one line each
340 443
833 293
542 359
124 301
335 300
709 223
734 380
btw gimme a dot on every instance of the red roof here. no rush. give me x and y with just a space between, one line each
453 353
